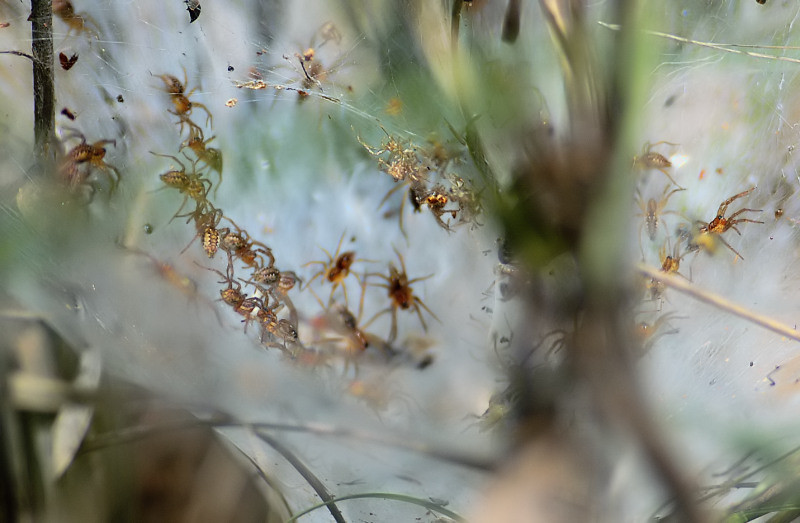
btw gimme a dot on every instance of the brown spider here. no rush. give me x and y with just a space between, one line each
670 264
238 244
78 163
232 295
653 211
211 156
402 296
180 100
720 223
653 160
191 185
335 270
79 23
206 220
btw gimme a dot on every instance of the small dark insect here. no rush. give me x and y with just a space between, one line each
193 6
69 114
762 2
230 68
120 99
67 63
148 229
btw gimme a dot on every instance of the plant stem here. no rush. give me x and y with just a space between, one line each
43 86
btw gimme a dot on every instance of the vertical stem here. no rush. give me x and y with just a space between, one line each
43 85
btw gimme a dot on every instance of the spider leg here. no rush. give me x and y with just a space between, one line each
664 171
728 245
740 211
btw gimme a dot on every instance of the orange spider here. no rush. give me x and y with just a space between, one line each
335 270
402 296
670 264
720 223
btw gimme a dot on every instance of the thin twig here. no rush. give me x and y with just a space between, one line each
18 53
304 471
705 296
138 432
713 45
434 507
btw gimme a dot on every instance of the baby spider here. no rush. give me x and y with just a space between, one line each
77 164
206 220
80 23
670 263
238 244
232 295
437 199
653 211
180 100
210 156
720 223
191 185
335 270
653 160
401 295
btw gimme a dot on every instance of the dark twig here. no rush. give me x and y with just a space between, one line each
304 471
18 53
44 112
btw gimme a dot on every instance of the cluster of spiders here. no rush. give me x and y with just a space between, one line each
261 295
425 174
691 237
313 73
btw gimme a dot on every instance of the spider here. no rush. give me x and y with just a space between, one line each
77 22
653 211
206 220
238 244
437 199
670 264
211 156
90 157
402 296
180 100
720 223
653 160
191 185
232 295
335 270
